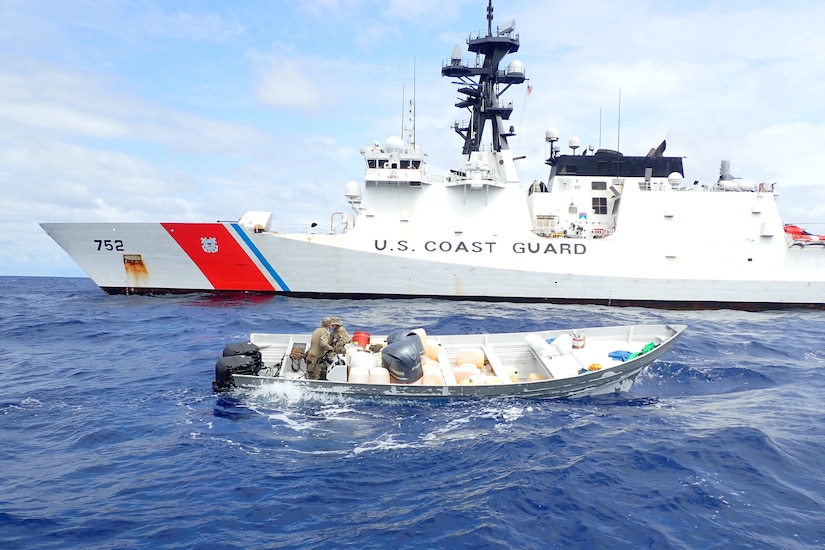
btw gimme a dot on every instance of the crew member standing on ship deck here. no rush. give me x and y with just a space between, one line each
340 336
318 348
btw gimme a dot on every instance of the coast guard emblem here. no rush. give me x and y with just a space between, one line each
209 244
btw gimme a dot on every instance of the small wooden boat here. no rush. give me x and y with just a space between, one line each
412 364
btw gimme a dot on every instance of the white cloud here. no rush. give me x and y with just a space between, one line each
286 83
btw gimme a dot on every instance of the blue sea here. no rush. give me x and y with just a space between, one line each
112 437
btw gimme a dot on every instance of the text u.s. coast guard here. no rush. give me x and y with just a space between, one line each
482 247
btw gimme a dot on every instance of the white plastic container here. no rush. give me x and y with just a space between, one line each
475 380
359 375
362 359
432 377
462 372
474 356
482 380
432 348
379 375
351 349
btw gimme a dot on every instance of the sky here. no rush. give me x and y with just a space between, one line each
198 110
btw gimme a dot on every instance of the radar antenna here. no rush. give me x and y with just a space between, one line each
482 84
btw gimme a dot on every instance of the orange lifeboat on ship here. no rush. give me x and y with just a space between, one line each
800 237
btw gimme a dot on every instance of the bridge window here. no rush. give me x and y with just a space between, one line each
600 205
598 185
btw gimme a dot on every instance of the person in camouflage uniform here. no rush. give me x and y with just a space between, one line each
318 348
340 337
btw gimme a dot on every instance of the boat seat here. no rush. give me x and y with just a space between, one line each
446 369
546 362
499 370
556 366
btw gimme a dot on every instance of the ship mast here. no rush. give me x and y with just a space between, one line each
483 83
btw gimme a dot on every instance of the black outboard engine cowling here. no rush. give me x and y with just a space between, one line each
397 335
238 358
243 348
403 334
402 358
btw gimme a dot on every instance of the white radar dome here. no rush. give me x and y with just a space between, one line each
394 144
675 179
352 190
552 134
515 67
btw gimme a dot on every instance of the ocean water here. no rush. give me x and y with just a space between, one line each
112 437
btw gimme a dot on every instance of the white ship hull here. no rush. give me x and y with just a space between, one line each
654 267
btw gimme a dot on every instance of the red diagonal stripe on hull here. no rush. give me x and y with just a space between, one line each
230 267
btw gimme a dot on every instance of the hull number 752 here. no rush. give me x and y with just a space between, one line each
108 244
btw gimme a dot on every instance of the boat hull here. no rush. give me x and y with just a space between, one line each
598 383
156 258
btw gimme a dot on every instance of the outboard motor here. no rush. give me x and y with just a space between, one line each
238 358
402 358
244 348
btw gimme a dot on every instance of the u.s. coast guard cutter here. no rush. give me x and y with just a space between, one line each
606 228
